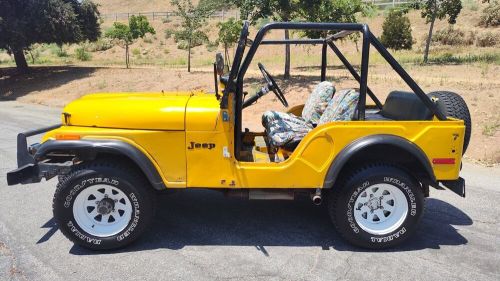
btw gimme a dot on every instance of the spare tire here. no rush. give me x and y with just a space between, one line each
453 105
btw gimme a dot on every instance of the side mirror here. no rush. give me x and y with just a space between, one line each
219 63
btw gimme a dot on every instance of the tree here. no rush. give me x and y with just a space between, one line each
279 10
229 33
330 11
23 23
396 32
125 35
437 9
193 19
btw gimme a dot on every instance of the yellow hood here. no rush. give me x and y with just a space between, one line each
153 111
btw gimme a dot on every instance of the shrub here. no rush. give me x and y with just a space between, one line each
102 44
136 51
396 32
453 37
82 55
491 15
169 33
487 39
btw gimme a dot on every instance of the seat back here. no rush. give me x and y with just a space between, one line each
317 102
405 106
341 108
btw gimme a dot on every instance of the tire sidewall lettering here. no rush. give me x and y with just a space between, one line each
350 206
68 200
134 220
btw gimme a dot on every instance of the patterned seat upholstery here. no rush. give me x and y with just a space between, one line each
284 127
287 130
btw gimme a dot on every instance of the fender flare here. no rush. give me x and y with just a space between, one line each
356 146
88 150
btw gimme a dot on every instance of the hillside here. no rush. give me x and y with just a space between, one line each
133 6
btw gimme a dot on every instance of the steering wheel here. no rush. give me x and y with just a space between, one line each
271 84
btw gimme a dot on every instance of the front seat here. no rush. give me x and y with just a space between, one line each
287 130
283 128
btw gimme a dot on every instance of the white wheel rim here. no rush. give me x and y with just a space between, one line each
380 209
102 210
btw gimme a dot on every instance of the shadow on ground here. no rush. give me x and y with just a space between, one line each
206 218
14 85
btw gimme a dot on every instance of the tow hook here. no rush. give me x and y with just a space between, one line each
316 197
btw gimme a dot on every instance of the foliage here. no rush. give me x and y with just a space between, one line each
125 35
487 39
81 54
331 11
168 33
24 23
396 32
193 19
102 44
453 37
491 15
229 33
437 9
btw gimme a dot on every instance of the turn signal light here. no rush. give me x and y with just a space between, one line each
67 137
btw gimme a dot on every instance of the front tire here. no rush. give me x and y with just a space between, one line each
376 207
103 205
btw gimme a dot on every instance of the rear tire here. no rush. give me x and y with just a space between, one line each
378 206
453 105
103 205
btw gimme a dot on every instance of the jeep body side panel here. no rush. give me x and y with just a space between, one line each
209 144
307 167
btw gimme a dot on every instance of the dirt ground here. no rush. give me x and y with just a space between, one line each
56 86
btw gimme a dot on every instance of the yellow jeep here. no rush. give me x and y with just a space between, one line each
373 163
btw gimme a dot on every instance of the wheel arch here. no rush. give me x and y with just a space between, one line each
381 148
88 150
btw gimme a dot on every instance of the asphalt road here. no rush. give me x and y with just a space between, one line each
200 235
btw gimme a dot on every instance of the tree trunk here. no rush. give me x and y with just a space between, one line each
126 55
189 56
21 64
286 75
429 39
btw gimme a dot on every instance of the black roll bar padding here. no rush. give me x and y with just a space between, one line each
323 62
353 72
407 78
23 155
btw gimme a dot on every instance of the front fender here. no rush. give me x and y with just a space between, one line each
89 149
37 167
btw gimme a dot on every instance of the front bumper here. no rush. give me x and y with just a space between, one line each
29 170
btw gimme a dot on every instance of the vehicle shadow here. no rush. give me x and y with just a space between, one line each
202 218
14 85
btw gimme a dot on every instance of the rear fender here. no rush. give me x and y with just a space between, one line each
358 147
